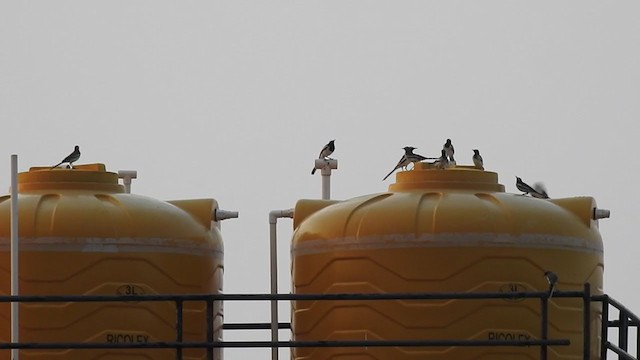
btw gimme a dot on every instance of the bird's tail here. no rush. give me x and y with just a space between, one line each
56 165
541 191
551 290
389 174
313 171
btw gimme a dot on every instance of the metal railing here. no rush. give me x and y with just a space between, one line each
626 319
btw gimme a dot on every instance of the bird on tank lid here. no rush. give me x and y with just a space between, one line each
406 159
538 191
449 151
477 159
71 158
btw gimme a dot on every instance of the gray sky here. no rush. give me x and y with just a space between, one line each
234 99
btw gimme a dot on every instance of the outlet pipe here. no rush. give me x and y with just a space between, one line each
219 215
273 255
325 166
601 214
15 325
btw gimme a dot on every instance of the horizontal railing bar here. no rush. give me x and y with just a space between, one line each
397 343
284 297
287 344
616 323
254 326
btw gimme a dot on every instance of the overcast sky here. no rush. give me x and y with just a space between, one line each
234 99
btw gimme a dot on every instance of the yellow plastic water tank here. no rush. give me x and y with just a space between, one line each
80 234
452 230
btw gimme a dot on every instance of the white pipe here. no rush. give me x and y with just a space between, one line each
326 185
325 166
126 176
15 328
219 215
601 214
273 254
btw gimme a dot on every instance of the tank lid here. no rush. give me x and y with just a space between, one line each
461 177
80 177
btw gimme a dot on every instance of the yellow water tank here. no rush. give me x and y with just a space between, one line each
452 230
80 234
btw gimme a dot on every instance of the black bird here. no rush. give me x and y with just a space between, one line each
325 152
477 159
524 187
73 157
442 162
449 150
552 279
406 159
541 191
411 156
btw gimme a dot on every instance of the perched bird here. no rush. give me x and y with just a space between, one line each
73 157
411 156
524 187
325 152
442 162
448 149
540 191
552 279
477 159
406 159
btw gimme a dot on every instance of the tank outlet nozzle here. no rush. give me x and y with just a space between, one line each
219 215
601 214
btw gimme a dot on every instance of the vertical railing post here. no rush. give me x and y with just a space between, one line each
544 326
210 331
586 342
179 329
604 332
273 250
623 330
637 339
